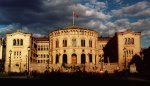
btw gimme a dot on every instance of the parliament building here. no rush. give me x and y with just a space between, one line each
70 49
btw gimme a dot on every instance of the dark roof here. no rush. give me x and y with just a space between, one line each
42 39
104 38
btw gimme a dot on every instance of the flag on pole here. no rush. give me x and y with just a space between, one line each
75 14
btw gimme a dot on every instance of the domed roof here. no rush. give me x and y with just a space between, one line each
73 27
76 27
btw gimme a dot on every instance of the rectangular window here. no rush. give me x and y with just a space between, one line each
74 42
57 44
82 43
64 43
90 43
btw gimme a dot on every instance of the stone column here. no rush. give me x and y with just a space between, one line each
68 58
53 59
78 58
93 58
87 58
60 58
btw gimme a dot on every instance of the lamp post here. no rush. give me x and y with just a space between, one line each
125 57
102 60
141 54
10 52
101 63
28 61
48 65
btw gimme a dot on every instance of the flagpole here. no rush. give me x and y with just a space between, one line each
73 18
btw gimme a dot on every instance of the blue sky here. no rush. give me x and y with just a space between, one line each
104 16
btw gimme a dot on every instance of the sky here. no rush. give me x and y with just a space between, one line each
105 16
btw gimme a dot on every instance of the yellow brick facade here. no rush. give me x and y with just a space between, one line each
72 46
74 52
17 60
41 62
128 45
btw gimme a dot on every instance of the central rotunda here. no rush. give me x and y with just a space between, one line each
73 46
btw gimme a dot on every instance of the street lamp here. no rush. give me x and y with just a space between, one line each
28 61
10 52
47 61
125 50
141 54
101 60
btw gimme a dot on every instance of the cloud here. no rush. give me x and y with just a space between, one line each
144 13
38 35
110 24
117 1
9 28
96 5
122 23
141 25
131 10
96 24
47 15
42 16
89 12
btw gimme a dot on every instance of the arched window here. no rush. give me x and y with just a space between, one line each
14 42
21 42
74 42
74 58
129 41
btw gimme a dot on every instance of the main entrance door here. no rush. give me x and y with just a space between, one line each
74 59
